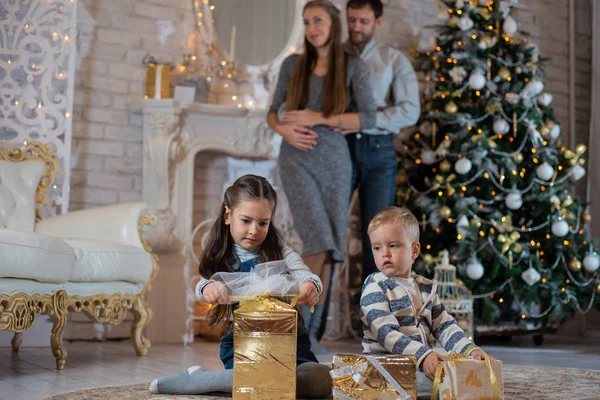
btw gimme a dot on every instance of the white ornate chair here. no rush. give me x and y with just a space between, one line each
91 260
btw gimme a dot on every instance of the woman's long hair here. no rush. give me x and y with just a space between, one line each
336 94
219 252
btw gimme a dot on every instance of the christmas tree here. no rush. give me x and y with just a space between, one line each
488 177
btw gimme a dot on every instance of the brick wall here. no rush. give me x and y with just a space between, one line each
116 36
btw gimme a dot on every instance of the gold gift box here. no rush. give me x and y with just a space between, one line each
264 363
372 385
469 379
158 79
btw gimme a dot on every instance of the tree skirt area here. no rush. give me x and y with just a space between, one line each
520 383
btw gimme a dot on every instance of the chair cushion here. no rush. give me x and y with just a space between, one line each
12 286
94 288
18 183
30 255
99 261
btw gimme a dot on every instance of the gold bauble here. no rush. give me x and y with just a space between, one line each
518 158
504 73
575 265
544 130
428 258
493 108
475 223
445 166
598 288
549 123
572 162
451 108
517 248
452 22
581 148
445 212
586 218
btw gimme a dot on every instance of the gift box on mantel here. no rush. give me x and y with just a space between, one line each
468 379
377 377
264 364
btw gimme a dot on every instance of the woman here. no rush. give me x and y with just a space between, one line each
324 89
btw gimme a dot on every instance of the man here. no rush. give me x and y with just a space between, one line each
396 95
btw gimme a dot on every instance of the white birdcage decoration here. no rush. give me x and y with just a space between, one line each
454 294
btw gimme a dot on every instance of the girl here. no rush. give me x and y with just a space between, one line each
321 88
242 237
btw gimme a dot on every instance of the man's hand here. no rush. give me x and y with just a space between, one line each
431 362
215 292
306 118
308 294
298 136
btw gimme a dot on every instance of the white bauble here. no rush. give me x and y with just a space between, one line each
545 172
545 99
510 25
477 80
591 262
459 4
501 127
554 132
531 276
458 74
560 227
463 226
513 200
463 166
465 23
513 98
427 42
428 157
578 172
475 269
533 88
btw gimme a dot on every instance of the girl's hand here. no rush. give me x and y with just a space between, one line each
344 131
215 293
306 118
298 136
478 355
308 294
431 362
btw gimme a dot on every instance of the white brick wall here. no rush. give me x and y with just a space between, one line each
111 75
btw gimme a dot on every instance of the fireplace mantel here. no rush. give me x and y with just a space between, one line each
173 133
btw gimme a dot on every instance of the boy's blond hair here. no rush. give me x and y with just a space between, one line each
400 215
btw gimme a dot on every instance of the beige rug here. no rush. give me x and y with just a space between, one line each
520 383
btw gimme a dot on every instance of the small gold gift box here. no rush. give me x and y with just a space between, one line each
362 377
264 337
158 81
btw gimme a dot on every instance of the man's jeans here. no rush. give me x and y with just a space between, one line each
374 173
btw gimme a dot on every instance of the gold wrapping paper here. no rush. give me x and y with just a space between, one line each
164 78
468 379
373 385
264 364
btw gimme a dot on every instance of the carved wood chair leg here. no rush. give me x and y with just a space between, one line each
142 315
16 341
59 318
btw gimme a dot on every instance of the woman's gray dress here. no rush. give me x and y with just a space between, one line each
317 182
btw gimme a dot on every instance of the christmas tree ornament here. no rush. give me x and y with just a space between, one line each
578 172
549 123
574 265
513 98
401 178
501 127
475 269
517 248
518 158
477 80
462 226
591 262
510 26
560 227
531 276
598 288
586 218
504 73
445 212
513 200
465 23
545 131
475 223
533 88
428 157
445 166
453 22
545 99
544 171
451 107
458 74
463 166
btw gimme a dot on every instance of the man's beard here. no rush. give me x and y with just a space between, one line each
360 39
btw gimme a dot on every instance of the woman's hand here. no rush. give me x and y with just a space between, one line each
306 118
308 294
215 292
345 131
298 136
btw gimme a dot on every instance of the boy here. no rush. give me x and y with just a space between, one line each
399 311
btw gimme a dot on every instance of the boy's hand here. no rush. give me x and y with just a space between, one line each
215 292
308 294
431 362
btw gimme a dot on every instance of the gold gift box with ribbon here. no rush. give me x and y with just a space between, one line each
158 81
377 377
465 378
264 337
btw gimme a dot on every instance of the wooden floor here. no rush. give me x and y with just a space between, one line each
31 373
